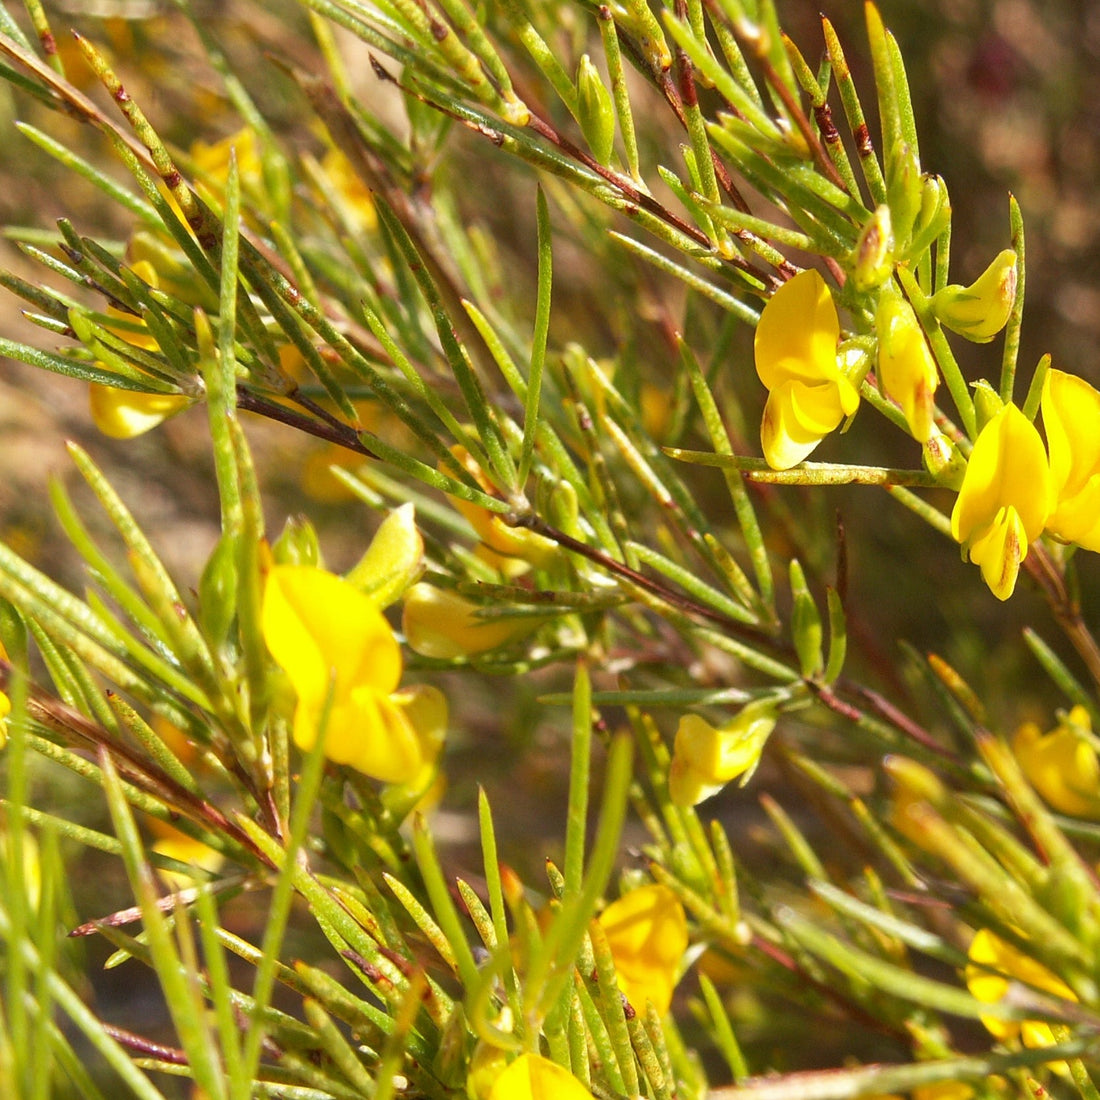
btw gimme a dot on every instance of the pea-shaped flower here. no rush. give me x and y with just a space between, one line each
705 758
1071 416
647 933
1062 765
1004 500
796 358
331 638
981 310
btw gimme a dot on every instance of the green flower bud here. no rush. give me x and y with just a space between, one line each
873 258
987 402
298 544
943 460
904 190
981 310
806 629
595 111
934 216
218 591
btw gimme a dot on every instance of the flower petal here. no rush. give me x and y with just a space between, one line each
647 933
1071 412
123 414
797 333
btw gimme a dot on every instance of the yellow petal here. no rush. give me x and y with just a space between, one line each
705 758
647 933
993 963
1062 765
906 368
784 438
318 626
123 414
999 550
328 636
1071 413
532 1077
797 334
394 559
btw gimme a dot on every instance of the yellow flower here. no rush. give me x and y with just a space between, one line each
211 165
906 368
705 758
647 933
329 636
989 954
796 358
442 624
1005 498
352 190
186 849
532 1077
5 710
1062 765
123 414
1071 414
981 310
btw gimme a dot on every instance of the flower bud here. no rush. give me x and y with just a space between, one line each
943 460
933 218
442 624
805 623
873 258
218 590
298 543
987 402
906 369
904 190
595 111
981 310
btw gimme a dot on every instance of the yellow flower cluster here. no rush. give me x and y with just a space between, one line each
1014 488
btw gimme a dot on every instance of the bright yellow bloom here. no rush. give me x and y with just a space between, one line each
211 164
5 710
989 953
647 933
906 368
796 358
705 758
1062 765
123 414
532 1077
981 310
1071 416
442 624
329 637
1005 499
